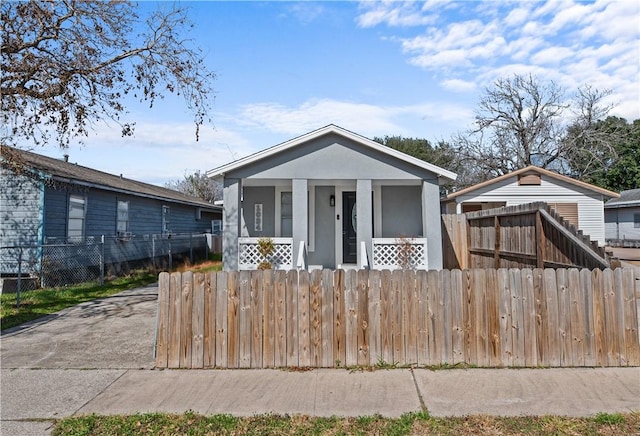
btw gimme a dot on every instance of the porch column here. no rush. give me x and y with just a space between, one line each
300 224
231 223
364 219
431 223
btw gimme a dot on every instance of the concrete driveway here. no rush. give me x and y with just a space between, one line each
116 332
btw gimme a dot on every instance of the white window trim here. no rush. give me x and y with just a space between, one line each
84 214
118 215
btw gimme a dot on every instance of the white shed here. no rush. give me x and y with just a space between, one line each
578 202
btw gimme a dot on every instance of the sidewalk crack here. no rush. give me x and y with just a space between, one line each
423 406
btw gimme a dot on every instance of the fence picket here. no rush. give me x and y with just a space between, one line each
315 318
433 290
162 327
565 336
386 323
586 286
351 311
611 323
186 307
291 298
233 320
304 355
551 297
529 326
457 321
577 318
363 318
630 318
599 318
409 333
175 319
328 360
280 314
209 344
268 320
245 320
493 318
396 317
339 329
197 321
422 318
257 327
221 320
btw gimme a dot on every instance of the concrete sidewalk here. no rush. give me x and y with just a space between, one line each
34 394
97 358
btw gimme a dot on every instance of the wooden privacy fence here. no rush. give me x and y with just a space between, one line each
525 236
489 318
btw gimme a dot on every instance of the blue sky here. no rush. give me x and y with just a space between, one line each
415 69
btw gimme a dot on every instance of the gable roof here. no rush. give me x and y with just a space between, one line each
331 128
540 171
630 197
74 174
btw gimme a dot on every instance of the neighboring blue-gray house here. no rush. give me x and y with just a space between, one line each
332 199
622 219
44 199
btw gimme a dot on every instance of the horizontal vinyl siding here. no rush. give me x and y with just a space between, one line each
20 218
145 214
55 218
625 226
590 204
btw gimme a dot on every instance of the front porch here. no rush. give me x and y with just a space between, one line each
384 253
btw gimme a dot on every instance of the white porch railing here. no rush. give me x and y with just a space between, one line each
399 253
249 256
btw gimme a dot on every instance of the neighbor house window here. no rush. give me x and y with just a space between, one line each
636 220
122 225
166 219
75 227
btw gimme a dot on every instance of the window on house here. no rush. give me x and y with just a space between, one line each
636 220
122 226
75 227
216 227
166 219
286 214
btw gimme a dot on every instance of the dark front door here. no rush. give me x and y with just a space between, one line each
349 239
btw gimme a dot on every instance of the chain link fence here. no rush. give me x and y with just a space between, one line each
60 262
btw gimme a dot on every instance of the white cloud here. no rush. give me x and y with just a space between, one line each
551 55
395 14
457 85
571 42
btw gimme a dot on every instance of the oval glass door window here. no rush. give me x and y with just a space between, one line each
354 216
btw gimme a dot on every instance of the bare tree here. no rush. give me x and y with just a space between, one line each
68 64
589 141
197 185
522 121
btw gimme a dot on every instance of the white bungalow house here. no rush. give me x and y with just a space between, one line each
332 199
580 203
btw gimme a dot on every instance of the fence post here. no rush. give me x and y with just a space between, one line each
153 251
19 277
191 248
102 260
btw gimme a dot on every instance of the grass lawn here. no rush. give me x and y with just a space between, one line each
42 302
408 424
